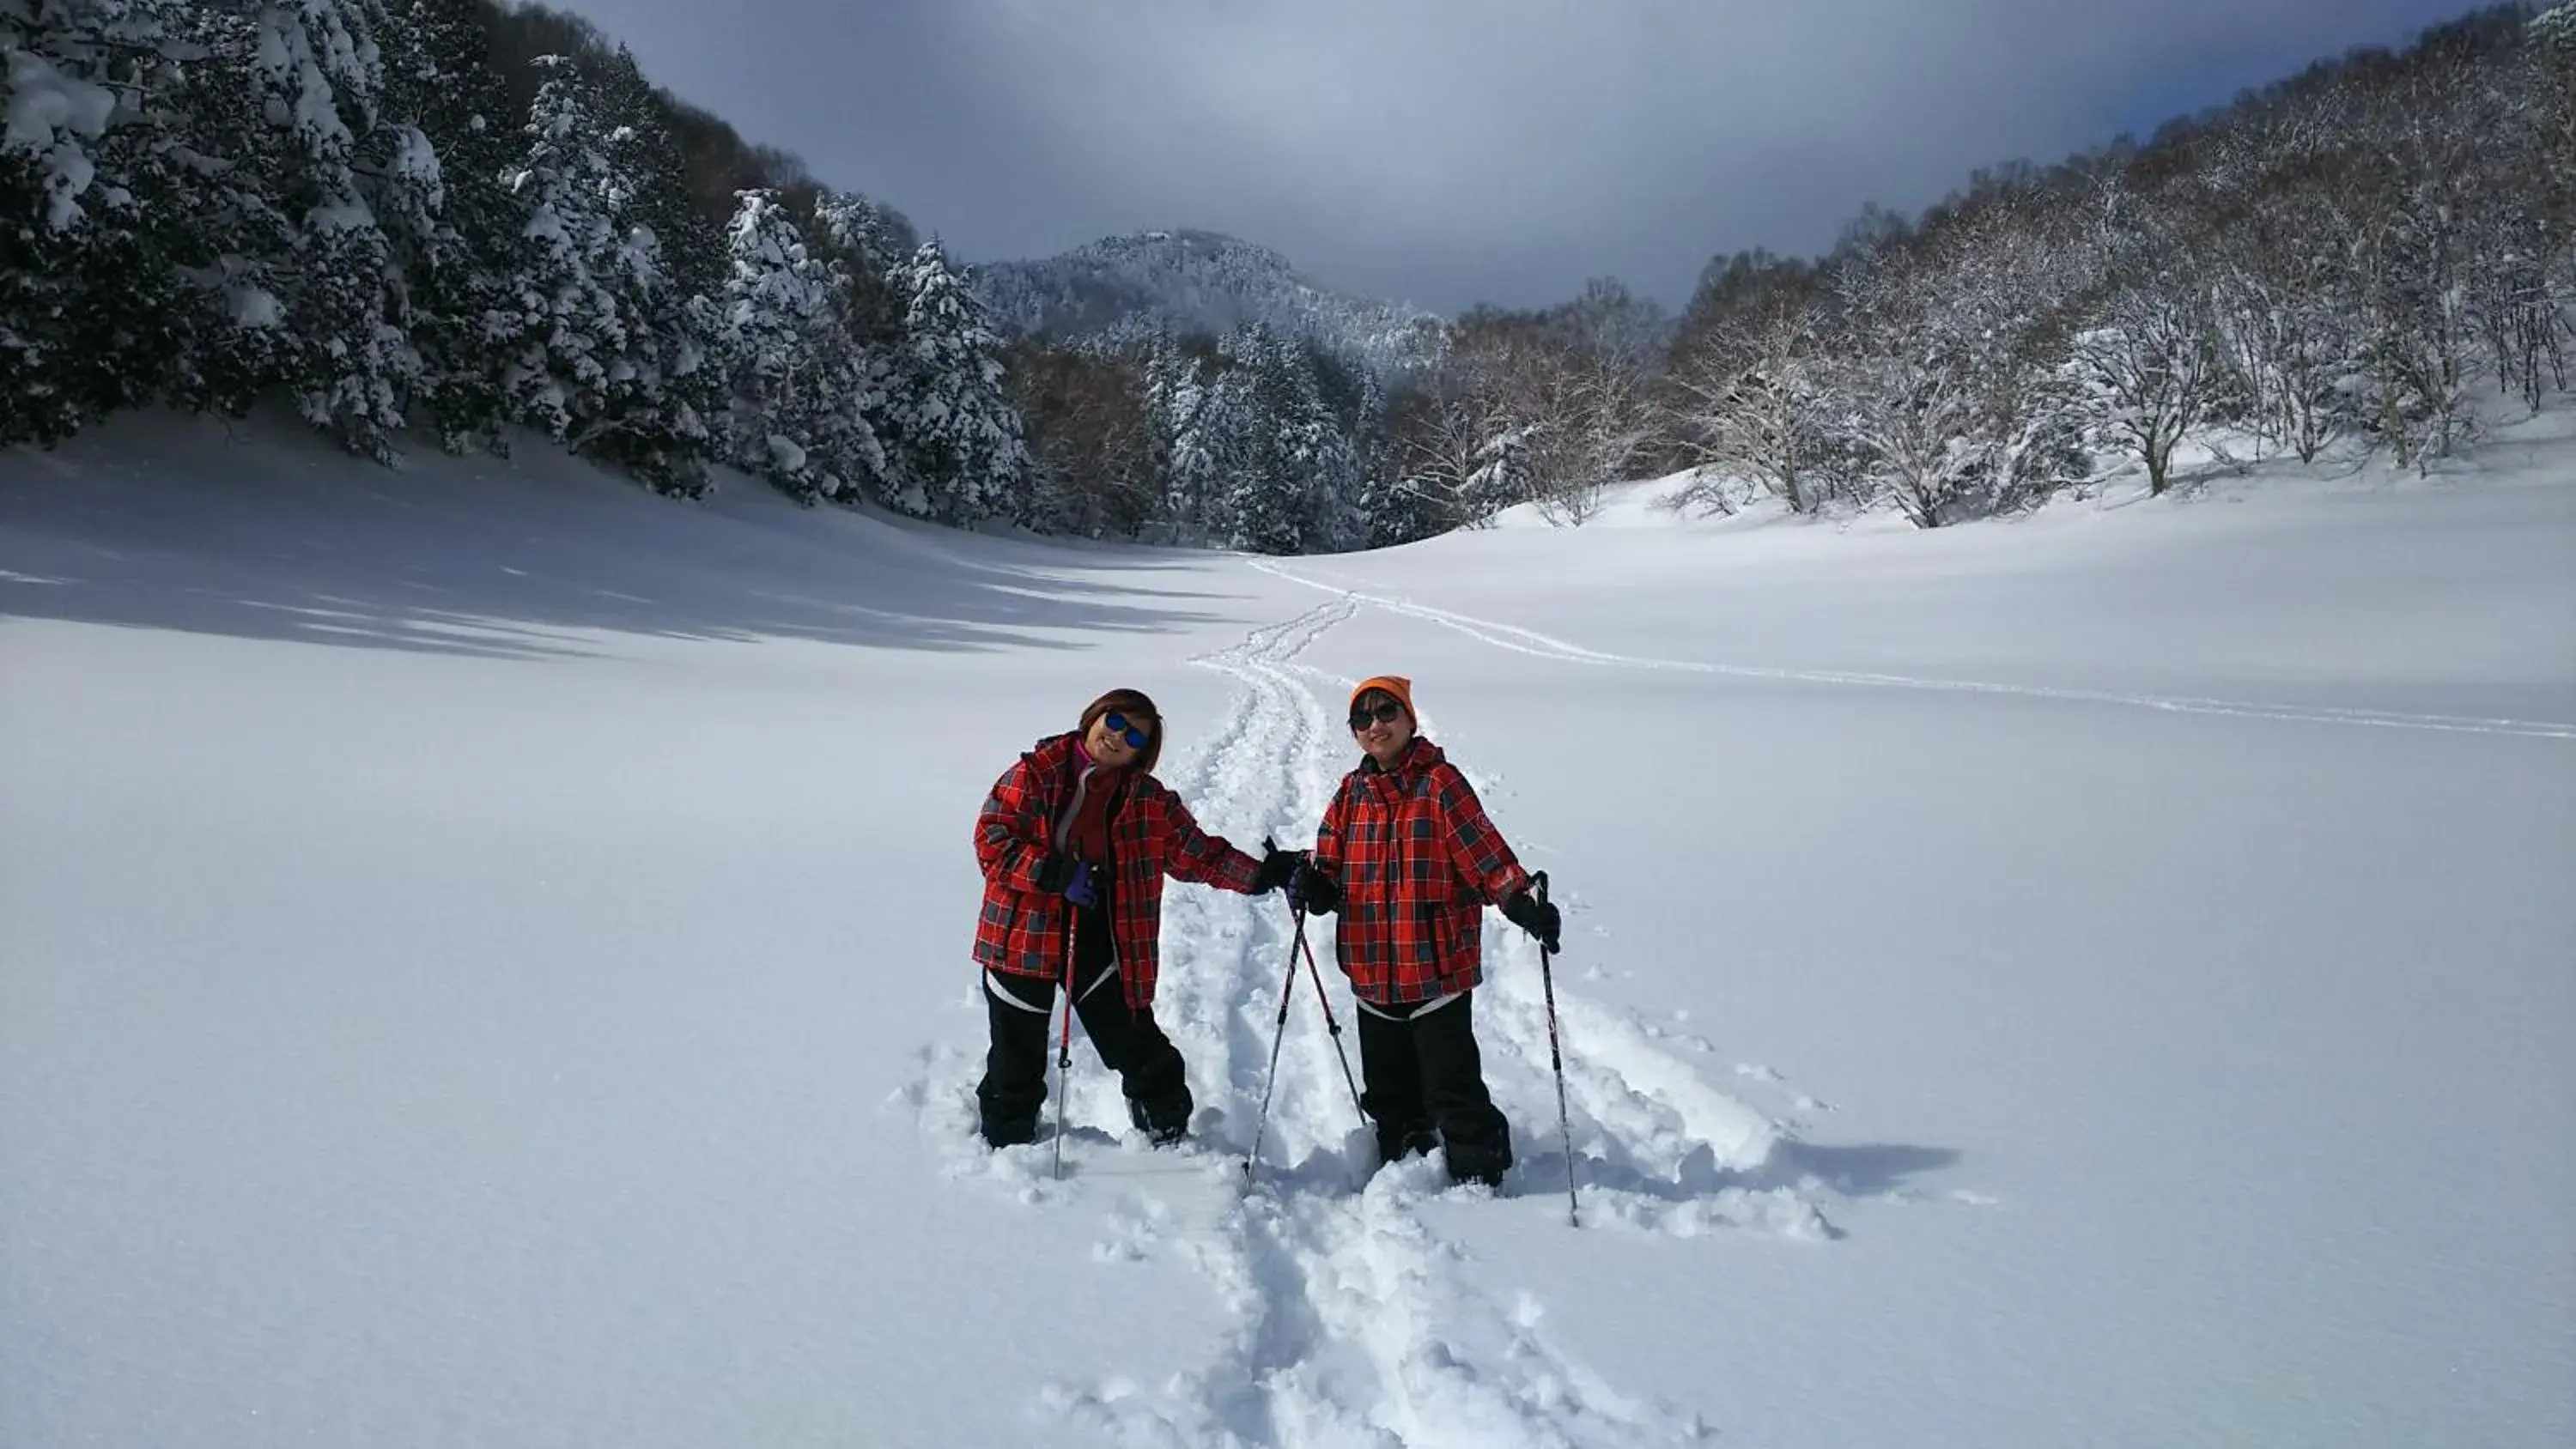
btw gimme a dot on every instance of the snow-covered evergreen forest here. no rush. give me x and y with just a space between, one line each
446 217
429 222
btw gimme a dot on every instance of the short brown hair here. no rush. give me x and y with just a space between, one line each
1140 711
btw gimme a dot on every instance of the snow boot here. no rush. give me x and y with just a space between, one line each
1482 1156
1164 1118
1000 1132
1397 1141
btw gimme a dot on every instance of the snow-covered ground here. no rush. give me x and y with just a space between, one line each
483 961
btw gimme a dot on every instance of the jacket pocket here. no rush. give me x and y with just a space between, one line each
1431 927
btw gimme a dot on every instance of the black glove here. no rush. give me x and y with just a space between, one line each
1535 916
1055 873
1276 868
1312 891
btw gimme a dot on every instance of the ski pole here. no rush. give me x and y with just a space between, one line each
1278 1034
1064 1044
1315 974
1556 1059
1330 1025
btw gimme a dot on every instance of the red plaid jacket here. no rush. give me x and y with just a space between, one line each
1418 862
1021 930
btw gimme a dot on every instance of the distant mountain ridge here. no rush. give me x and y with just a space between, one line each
1192 281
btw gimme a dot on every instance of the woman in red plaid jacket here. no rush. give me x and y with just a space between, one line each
1074 842
1407 856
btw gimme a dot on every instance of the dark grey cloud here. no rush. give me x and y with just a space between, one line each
1451 151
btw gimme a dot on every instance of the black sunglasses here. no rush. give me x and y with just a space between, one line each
1387 713
1136 739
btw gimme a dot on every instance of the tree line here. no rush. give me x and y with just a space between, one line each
449 216
2347 256
456 218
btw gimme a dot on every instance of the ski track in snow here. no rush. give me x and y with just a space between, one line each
1526 641
1354 1321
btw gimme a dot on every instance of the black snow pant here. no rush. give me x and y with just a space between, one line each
1426 1086
1130 1043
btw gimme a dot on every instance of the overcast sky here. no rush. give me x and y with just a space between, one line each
1446 152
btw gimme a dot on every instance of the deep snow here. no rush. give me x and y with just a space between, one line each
483 960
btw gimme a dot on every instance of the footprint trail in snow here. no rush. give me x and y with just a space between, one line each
1527 641
1353 1320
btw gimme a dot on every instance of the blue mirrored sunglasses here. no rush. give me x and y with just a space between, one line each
1136 739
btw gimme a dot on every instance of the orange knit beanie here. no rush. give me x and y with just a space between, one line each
1394 684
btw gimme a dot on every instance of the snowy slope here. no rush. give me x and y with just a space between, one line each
482 960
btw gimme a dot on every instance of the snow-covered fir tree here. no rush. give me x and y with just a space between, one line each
681 303
640 145
860 242
249 175
90 292
774 296
865 244
1396 509
567 322
437 74
675 258
1504 474
1270 494
316 80
863 233
63 75
589 365
1296 482
954 442
1352 395
800 386
1199 409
